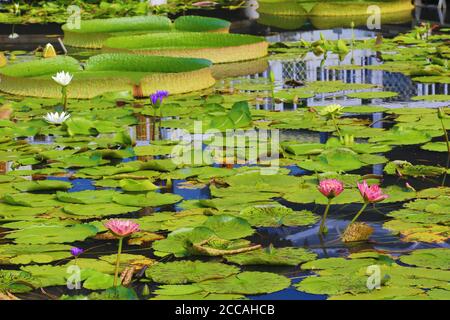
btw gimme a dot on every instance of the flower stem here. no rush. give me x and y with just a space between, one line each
159 124
64 97
336 126
119 251
448 150
323 228
359 212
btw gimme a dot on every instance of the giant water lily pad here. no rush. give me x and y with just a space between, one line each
181 272
372 95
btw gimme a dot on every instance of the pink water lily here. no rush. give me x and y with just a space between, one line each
122 228
371 194
331 188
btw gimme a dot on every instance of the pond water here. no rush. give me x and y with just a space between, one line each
304 69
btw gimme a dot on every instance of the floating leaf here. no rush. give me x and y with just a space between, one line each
86 197
43 185
98 209
438 258
247 283
181 272
277 215
43 234
273 256
137 185
229 227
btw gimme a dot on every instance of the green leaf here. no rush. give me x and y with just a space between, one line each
98 209
229 227
86 197
42 185
43 234
273 256
181 272
137 185
277 215
247 283
438 258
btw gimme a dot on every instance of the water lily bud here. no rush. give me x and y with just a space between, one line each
169 183
272 76
3 60
352 24
145 290
349 139
441 113
49 51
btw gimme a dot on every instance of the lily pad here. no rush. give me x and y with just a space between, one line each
86 197
438 258
247 283
181 272
273 256
98 209
229 227
43 234
277 215
44 185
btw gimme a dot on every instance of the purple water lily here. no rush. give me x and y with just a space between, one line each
76 251
157 98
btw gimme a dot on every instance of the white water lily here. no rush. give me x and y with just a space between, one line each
56 118
62 78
